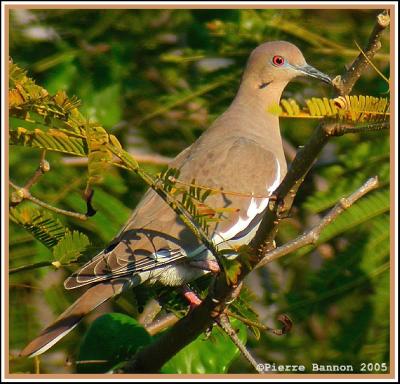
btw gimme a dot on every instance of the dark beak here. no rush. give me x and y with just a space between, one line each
308 70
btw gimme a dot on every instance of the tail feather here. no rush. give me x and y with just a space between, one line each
70 318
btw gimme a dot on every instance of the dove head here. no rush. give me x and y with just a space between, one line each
278 62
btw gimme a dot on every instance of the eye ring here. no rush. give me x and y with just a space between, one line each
278 61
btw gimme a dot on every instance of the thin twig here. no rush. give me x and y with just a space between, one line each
161 324
146 158
256 324
348 128
25 194
346 82
149 313
312 236
224 323
44 167
41 264
37 365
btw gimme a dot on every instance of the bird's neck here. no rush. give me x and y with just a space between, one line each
262 98
252 105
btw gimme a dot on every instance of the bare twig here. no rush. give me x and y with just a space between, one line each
44 167
312 236
346 82
224 323
341 129
284 319
161 324
146 158
30 267
22 193
37 365
150 311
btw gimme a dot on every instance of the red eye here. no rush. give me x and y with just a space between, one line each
278 60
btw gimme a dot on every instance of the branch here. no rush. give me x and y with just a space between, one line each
161 324
312 236
285 193
344 84
40 264
284 319
44 167
224 323
146 158
22 193
341 128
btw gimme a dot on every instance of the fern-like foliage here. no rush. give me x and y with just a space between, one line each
192 197
40 224
52 140
349 172
70 247
66 246
375 204
360 109
54 123
99 155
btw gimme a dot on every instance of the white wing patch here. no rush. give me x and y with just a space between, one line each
256 206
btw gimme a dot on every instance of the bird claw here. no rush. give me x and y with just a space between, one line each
193 300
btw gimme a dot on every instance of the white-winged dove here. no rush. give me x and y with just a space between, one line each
241 152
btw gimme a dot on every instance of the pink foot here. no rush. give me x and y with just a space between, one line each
191 297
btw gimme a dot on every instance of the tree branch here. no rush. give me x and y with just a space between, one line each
224 323
146 158
312 236
344 84
161 324
40 264
23 193
44 167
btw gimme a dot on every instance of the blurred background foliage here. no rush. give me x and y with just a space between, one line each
157 79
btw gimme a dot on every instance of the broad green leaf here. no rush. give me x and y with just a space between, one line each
111 339
207 355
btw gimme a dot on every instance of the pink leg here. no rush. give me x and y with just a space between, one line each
206 265
191 297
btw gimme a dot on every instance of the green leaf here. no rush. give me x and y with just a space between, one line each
242 307
112 338
99 156
207 355
70 247
232 268
51 140
40 224
367 208
371 206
